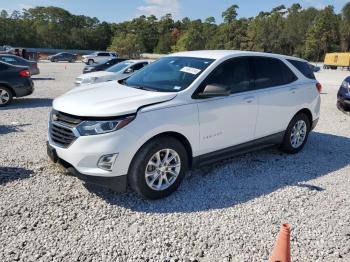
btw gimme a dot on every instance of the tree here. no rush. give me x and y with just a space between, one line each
345 27
126 45
323 35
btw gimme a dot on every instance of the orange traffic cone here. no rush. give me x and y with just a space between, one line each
281 250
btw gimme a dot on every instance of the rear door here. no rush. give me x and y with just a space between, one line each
277 95
228 121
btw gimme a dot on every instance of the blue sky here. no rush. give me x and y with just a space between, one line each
121 10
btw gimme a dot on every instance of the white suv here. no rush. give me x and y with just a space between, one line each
97 57
184 110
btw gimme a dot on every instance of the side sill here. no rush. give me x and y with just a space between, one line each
240 149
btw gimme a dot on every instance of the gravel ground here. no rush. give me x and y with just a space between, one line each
228 212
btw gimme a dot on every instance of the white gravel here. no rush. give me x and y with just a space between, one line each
228 212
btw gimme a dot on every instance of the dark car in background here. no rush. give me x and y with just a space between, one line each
16 60
343 96
67 57
103 65
15 81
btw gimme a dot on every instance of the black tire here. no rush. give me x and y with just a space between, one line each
90 61
55 60
136 175
5 96
287 146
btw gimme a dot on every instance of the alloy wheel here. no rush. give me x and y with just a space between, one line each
4 96
298 134
162 169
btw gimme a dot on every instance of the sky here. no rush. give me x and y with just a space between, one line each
123 10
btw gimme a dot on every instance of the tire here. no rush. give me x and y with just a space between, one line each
296 134
5 96
140 168
90 61
55 60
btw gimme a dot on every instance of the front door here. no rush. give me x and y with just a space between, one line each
228 121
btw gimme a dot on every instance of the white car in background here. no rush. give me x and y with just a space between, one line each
117 72
97 57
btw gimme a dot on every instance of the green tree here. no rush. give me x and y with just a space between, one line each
128 45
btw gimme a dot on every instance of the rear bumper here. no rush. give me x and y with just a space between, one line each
26 88
314 123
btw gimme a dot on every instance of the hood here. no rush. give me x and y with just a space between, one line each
107 99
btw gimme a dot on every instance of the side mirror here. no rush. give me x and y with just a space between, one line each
214 90
128 71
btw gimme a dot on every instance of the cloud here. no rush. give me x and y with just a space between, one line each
159 8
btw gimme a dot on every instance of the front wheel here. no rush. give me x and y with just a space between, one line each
158 168
296 134
90 62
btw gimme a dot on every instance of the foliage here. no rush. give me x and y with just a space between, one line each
308 33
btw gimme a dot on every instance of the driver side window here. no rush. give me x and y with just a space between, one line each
234 74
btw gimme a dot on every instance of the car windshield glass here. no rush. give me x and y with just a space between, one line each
169 74
118 67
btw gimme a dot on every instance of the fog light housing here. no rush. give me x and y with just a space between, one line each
106 162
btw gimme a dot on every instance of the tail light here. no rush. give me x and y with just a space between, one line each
24 73
319 87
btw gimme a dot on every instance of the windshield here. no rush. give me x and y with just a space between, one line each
118 67
169 74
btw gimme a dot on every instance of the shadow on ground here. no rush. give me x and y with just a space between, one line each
9 174
21 103
244 178
43 78
6 129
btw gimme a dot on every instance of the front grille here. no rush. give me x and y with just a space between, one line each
61 128
66 119
62 136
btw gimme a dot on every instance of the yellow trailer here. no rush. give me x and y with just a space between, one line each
333 60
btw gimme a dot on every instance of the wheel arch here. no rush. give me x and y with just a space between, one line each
9 87
178 136
307 112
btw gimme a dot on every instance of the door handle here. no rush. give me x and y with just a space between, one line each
249 99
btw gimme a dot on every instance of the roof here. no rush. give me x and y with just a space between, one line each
219 54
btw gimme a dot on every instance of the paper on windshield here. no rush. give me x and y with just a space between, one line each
190 70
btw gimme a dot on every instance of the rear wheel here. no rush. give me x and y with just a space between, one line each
5 96
296 134
158 168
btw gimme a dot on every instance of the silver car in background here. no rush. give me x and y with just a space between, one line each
117 72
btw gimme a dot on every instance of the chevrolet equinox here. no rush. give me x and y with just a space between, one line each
182 111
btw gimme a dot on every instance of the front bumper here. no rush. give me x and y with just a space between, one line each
343 105
116 183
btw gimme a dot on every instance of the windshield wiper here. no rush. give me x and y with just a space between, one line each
145 88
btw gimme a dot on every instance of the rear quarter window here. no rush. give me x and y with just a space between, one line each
303 67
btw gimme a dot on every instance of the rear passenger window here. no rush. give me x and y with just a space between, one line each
303 67
234 73
270 72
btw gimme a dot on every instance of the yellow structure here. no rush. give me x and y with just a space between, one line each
337 59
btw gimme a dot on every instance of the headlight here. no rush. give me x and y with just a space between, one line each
90 80
88 128
346 85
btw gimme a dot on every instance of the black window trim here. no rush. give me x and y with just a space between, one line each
251 82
